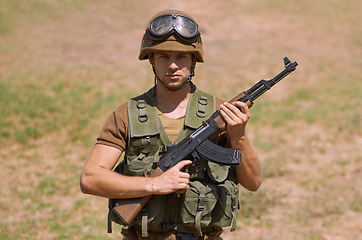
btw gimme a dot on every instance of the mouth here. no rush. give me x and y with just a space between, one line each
173 76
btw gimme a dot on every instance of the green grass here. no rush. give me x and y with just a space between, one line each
35 109
256 205
316 106
12 11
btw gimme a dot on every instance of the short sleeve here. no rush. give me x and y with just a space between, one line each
114 131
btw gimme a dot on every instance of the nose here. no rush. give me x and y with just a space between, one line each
173 65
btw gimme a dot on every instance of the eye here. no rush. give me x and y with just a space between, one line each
183 56
162 56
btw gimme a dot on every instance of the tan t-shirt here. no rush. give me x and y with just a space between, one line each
115 131
172 126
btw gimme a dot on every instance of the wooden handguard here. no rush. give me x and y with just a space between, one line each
220 122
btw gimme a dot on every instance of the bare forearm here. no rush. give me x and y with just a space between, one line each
248 174
106 183
97 178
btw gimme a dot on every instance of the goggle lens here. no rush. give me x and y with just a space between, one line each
165 24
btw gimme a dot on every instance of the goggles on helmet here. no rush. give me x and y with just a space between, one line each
167 24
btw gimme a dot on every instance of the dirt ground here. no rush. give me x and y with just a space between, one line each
312 172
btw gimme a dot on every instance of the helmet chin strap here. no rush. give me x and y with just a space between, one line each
192 73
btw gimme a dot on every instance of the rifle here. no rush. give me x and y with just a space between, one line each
198 144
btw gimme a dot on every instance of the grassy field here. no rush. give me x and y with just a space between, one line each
65 65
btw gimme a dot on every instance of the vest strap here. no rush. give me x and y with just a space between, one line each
144 223
143 116
200 209
234 204
202 105
109 217
201 111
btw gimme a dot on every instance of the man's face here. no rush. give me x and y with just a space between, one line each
172 68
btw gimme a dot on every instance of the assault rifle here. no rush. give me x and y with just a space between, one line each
198 144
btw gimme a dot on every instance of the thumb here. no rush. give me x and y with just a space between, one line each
182 164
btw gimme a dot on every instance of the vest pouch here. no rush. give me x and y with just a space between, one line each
154 212
135 166
227 204
198 203
216 172
197 170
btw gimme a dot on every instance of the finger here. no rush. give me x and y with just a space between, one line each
231 112
182 164
225 116
183 185
184 176
182 191
234 109
184 180
243 107
239 110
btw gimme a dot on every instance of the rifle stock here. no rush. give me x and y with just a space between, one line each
127 209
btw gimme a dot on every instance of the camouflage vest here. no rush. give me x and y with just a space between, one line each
213 197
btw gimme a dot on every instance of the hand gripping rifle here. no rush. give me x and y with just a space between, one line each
198 144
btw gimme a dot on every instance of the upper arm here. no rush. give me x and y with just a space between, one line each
97 171
102 156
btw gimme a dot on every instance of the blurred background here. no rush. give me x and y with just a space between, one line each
65 65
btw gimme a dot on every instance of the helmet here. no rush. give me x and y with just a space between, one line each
172 30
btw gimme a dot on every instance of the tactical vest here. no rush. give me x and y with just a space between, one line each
213 196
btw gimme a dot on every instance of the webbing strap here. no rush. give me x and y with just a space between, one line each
233 226
142 114
200 208
201 111
200 107
144 223
109 218
233 207
157 156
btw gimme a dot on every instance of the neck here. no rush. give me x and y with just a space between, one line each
172 103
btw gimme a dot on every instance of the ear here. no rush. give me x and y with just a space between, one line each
194 60
150 59
193 66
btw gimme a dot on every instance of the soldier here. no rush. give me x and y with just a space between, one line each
165 115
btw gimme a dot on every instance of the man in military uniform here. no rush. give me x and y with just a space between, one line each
165 115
